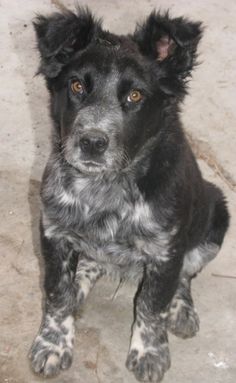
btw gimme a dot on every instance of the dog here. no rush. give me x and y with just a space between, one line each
122 193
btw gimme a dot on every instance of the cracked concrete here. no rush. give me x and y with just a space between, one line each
103 327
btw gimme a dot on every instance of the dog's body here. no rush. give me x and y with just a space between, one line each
122 192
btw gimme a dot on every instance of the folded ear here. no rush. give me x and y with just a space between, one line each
61 35
171 42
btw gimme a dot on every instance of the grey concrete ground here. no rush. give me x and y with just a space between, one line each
104 326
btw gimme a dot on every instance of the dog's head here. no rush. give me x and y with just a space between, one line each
109 93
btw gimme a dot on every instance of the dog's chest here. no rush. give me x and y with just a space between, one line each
111 212
109 221
116 225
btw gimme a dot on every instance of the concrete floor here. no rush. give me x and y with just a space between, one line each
104 325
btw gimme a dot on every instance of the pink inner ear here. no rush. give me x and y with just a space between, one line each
165 46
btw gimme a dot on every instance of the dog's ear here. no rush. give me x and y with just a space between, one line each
171 42
61 35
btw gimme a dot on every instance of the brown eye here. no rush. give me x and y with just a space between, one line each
134 96
77 87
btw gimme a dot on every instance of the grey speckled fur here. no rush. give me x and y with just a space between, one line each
122 194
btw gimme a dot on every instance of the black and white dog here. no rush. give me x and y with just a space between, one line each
122 192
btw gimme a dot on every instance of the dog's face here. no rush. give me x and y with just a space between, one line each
107 103
109 92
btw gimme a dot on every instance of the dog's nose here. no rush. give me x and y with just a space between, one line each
94 142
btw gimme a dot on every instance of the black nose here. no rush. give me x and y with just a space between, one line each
94 142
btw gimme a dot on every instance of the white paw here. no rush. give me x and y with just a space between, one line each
149 366
51 351
48 358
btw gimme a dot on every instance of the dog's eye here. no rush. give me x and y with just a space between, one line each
134 96
77 87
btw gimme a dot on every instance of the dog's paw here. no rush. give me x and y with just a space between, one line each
52 349
48 358
183 320
151 365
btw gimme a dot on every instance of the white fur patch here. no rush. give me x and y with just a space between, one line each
52 323
86 276
175 308
141 212
137 342
66 198
85 286
196 259
49 228
68 324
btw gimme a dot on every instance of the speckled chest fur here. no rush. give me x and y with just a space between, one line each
105 217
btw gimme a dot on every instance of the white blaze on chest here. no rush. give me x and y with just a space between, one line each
66 198
142 212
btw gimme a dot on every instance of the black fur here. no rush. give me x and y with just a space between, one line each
122 192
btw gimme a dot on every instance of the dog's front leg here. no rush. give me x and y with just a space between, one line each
149 356
52 348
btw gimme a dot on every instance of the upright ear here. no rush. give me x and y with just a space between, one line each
61 35
171 42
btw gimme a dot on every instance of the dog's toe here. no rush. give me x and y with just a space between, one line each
66 359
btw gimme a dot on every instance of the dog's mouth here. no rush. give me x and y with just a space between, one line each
89 167
91 163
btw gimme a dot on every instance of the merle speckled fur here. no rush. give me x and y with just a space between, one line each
122 193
